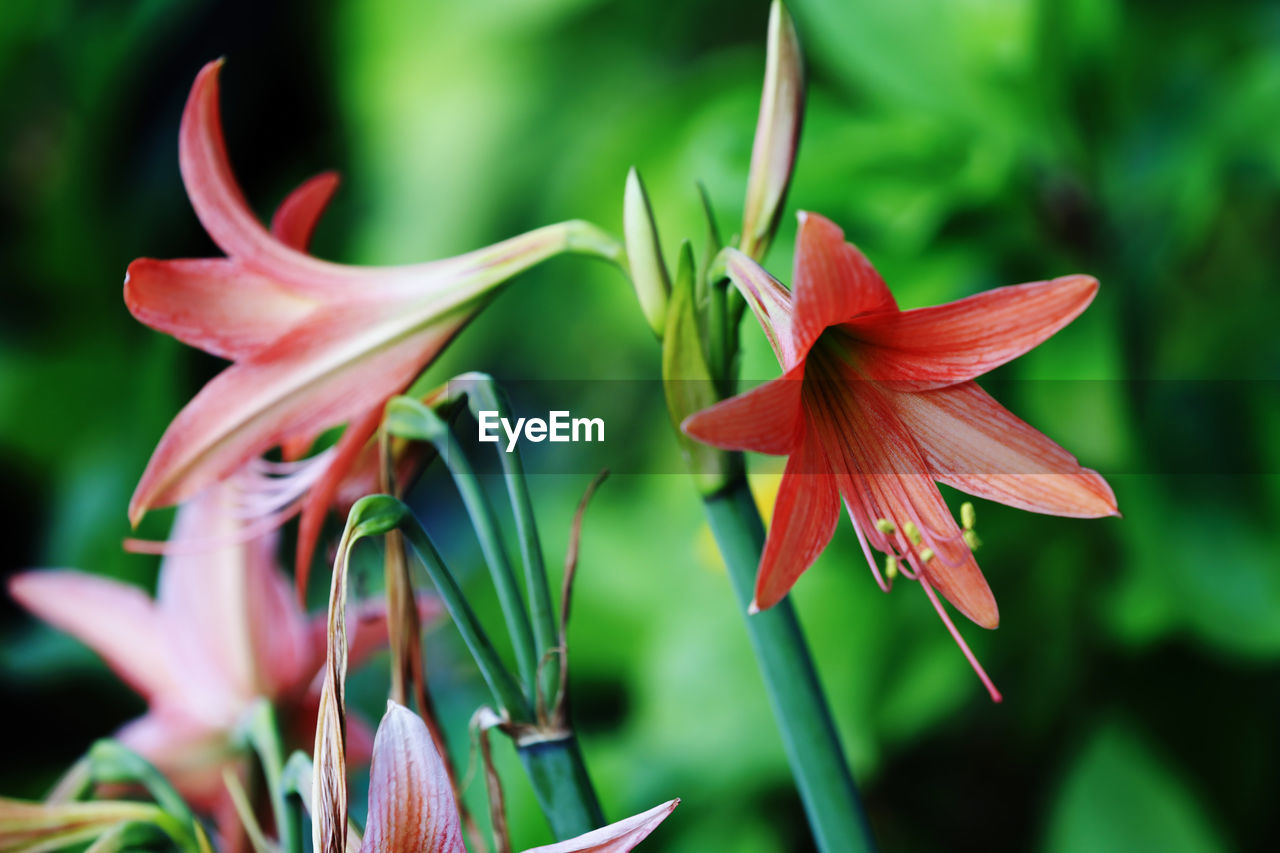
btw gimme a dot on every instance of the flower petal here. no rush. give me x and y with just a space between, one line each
411 806
222 209
321 496
344 361
190 753
882 475
975 444
833 282
769 301
116 620
212 303
804 519
945 344
616 837
765 419
296 217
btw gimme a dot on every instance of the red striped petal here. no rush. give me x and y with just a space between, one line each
975 444
833 282
945 344
881 474
804 519
411 806
765 419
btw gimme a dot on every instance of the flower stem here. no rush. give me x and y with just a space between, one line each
809 735
561 784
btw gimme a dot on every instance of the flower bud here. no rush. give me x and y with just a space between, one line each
773 154
644 254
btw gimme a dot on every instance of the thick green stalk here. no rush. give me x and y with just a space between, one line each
561 784
809 735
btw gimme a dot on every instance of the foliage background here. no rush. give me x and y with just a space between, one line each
963 144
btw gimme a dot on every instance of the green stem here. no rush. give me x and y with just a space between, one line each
809 735
483 393
506 690
264 734
562 786
412 419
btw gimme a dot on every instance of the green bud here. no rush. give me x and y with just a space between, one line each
644 254
686 377
374 515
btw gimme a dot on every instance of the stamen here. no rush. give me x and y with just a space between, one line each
968 518
890 567
913 533
866 550
964 647
971 539
926 555
885 526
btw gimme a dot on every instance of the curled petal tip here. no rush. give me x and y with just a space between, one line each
753 608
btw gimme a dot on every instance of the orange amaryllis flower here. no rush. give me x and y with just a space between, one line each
876 404
412 809
314 344
223 631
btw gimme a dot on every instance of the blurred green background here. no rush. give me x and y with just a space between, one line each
963 144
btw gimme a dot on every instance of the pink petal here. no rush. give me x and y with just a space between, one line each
188 752
945 344
212 303
321 496
975 444
616 837
411 806
203 599
804 519
116 620
344 361
833 283
883 475
296 218
222 209
765 419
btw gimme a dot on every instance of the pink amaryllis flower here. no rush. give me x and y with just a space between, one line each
314 344
223 630
412 809
875 404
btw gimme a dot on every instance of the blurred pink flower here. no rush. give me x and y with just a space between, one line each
223 630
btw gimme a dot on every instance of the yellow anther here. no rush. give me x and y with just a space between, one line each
885 526
926 555
913 532
968 518
890 567
971 539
